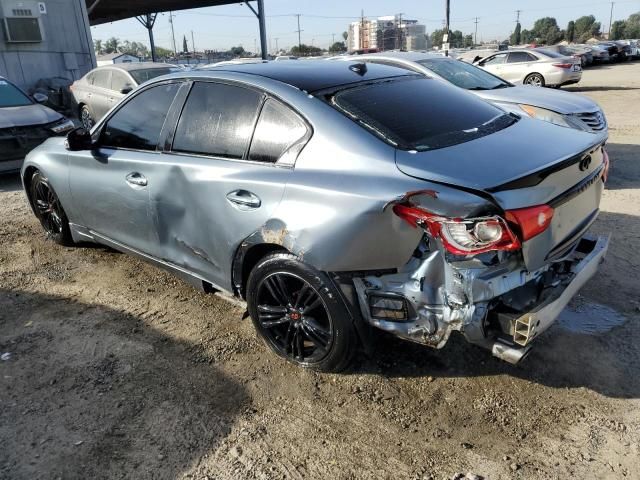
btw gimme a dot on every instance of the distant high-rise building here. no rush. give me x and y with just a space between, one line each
387 33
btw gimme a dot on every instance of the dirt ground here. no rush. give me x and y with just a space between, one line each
114 369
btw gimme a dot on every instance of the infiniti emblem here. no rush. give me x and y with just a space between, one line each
585 162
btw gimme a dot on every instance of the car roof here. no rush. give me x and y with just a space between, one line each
315 75
409 56
137 66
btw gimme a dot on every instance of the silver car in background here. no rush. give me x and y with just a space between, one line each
103 87
566 109
298 187
536 66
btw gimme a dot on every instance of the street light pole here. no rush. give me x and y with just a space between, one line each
446 29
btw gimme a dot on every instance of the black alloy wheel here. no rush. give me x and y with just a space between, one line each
294 318
300 313
49 211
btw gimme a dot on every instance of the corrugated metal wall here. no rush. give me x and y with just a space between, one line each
66 50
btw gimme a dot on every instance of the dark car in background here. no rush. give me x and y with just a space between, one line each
103 87
25 124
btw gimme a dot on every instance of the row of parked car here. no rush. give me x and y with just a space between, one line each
410 193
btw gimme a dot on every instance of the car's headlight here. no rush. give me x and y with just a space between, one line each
546 115
61 126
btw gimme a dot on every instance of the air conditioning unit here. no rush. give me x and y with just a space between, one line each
21 21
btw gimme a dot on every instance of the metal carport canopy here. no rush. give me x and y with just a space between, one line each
104 11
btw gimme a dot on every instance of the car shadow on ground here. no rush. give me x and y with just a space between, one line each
624 158
598 88
10 182
91 392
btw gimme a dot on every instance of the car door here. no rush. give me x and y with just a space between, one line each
519 65
100 93
109 182
223 175
495 64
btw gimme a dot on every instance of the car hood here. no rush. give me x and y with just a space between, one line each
502 157
551 99
26 115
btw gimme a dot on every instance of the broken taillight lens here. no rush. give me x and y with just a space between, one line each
461 236
532 221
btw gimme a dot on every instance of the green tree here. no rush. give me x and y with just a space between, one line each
546 30
516 36
345 35
632 26
164 52
338 47
618 30
111 45
586 27
97 47
305 50
571 31
185 47
237 51
527 36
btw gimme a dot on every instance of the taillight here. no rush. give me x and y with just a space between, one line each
563 65
532 220
461 236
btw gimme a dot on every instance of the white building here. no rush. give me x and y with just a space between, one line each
387 33
362 35
111 58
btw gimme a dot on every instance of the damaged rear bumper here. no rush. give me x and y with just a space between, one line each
430 298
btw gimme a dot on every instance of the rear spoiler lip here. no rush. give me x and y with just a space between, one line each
539 176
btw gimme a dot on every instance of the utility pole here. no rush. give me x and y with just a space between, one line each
446 28
299 31
610 22
399 37
518 16
193 45
277 49
173 34
475 37
333 38
361 29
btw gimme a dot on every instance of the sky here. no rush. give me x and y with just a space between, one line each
322 21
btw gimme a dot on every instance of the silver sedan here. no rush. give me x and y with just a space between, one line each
298 187
537 66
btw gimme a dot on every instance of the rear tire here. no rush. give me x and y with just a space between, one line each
534 79
300 314
86 119
48 210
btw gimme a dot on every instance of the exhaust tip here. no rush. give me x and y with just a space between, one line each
509 354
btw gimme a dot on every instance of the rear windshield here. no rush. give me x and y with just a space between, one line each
11 96
549 53
141 76
464 75
420 113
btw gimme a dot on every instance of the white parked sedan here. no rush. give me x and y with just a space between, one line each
537 66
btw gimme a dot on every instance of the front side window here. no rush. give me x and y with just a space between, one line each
12 96
496 59
137 125
464 75
218 120
420 113
278 130
119 81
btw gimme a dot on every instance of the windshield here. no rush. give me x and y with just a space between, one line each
464 75
11 96
141 76
420 113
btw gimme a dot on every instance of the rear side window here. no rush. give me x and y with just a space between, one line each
549 53
218 120
102 78
517 57
277 131
119 81
420 113
138 123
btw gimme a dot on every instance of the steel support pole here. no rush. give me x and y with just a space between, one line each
263 29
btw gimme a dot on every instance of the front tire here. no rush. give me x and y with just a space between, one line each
47 207
534 79
300 314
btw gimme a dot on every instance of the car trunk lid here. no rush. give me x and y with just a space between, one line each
530 163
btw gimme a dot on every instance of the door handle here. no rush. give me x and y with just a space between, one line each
137 179
244 199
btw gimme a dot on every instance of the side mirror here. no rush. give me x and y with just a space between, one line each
126 89
40 97
78 139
